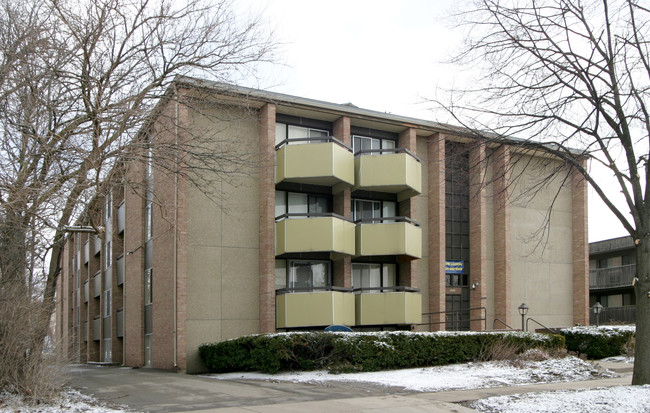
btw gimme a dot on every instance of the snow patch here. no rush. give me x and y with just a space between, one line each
629 399
451 377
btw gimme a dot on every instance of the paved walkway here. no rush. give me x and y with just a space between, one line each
161 391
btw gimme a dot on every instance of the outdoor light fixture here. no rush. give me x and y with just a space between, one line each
523 310
597 309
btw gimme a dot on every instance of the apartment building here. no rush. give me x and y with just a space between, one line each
345 216
612 267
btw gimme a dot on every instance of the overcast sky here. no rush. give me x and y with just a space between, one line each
383 55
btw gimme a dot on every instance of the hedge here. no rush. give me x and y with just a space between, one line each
598 342
348 352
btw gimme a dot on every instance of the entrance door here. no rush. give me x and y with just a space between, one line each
457 311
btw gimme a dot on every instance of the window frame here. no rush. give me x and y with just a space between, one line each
382 204
310 196
383 277
288 265
382 144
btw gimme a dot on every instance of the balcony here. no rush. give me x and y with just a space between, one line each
388 236
391 170
614 277
97 285
313 309
314 233
120 322
97 245
120 218
119 267
625 315
97 323
398 307
86 252
316 161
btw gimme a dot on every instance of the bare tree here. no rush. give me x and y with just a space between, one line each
570 78
78 80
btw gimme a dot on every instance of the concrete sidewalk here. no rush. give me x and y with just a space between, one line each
161 391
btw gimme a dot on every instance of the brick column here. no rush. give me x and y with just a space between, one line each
342 271
133 269
477 234
267 219
408 270
580 247
502 275
436 190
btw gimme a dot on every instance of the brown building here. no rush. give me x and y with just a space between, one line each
346 216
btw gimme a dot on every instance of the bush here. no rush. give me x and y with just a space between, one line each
598 342
348 352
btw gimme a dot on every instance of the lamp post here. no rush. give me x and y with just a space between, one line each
597 310
523 310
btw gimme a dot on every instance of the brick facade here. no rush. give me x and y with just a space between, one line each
178 326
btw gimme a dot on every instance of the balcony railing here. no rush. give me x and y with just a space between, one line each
396 170
619 315
314 308
398 307
388 236
314 233
613 277
319 161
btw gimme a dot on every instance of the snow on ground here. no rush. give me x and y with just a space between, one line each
452 377
70 401
628 399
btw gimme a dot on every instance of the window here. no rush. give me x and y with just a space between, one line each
628 260
280 274
602 263
457 280
373 276
108 250
148 221
284 131
365 209
300 203
108 207
148 286
302 274
107 303
364 143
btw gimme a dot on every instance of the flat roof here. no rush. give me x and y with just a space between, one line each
611 245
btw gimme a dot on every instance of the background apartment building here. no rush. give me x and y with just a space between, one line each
348 216
612 267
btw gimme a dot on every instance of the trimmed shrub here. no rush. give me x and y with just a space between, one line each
349 352
598 342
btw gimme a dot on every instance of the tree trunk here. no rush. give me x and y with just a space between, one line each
642 289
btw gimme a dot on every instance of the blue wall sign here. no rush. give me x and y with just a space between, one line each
454 267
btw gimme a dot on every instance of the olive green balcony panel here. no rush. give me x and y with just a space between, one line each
315 163
317 234
388 308
316 309
389 238
398 173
